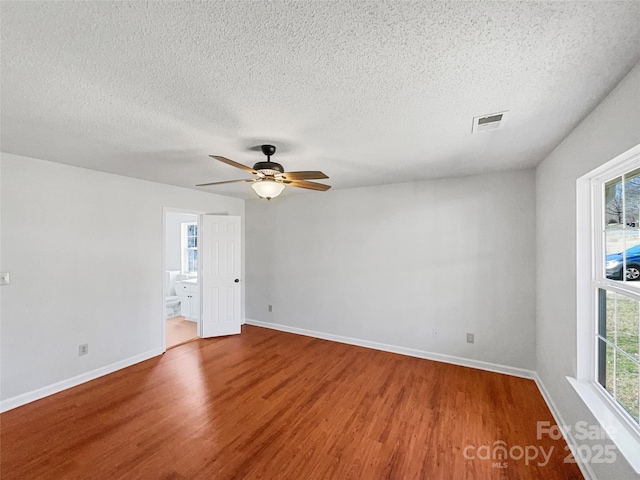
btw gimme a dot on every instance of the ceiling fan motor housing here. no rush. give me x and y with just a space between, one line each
268 168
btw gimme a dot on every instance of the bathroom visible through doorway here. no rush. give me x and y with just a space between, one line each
181 286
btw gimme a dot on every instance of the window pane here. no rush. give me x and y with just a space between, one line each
603 364
632 255
622 246
614 248
602 312
192 260
627 325
191 230
613 213
610 377
191 242
610 326
627 384
632 198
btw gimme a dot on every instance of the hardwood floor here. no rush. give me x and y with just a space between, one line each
273 405
180 331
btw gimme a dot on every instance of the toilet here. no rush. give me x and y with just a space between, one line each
171 299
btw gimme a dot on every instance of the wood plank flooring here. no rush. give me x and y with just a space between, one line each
180 331
273 405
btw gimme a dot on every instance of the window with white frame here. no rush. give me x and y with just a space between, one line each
616 285
607 300
189 241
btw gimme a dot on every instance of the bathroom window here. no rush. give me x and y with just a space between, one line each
190 248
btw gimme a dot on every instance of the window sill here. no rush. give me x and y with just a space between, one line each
626 438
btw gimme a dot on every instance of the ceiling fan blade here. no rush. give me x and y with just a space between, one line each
228 181
233 164
303 175
309 185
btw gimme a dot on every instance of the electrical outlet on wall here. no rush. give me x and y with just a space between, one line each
470 338
435 332
270 308
83 349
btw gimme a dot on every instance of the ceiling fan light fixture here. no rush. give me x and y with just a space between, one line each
271 176
267 188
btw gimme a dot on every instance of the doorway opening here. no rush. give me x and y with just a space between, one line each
181 284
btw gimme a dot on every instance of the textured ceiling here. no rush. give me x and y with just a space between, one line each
368 92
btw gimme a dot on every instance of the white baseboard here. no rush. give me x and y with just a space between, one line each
411 352
23 399
585 468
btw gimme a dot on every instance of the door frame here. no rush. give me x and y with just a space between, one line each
165 211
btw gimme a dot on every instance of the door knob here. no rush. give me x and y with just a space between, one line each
237 280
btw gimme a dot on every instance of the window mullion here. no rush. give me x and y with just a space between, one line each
598 249
625 354
618 287
615 350
624 228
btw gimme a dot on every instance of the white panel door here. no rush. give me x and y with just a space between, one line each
220 244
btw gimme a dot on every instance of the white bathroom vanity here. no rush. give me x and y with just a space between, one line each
189 293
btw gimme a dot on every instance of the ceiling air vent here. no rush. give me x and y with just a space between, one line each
485 123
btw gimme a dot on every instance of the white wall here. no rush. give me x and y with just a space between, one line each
612 128
84 250
390 263
173 238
